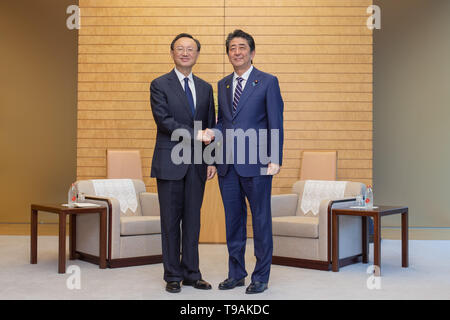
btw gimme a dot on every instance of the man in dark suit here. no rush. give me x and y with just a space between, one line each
251 107
179 98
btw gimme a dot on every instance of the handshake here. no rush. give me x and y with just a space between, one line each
206 136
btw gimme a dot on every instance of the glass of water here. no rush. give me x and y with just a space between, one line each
359 200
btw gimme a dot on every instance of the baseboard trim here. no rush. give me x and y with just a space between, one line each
416 233
23 229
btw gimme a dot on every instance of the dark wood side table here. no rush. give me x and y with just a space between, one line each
376 214
63 212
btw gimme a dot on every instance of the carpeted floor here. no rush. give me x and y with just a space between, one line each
428 276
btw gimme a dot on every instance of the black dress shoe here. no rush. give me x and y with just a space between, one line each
256 287
197 284
231 283
173 286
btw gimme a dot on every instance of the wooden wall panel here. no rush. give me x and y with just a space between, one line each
322 55
320 50
123 46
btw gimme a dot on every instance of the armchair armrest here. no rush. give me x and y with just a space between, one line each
284 205
149 204
113 223
325 224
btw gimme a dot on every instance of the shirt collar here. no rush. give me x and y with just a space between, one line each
246 74
182 76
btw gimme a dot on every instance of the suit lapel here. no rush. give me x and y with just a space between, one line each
179 91
198 94
250 86
229 92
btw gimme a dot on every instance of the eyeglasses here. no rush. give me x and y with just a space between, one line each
181 50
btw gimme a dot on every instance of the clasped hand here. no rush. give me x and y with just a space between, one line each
206 136
273 169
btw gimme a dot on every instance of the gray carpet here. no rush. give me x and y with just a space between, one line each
428 276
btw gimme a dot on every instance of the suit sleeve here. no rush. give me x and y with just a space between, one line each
274 109
212 109
162 115
218 125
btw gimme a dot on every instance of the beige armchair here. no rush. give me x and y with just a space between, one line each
134 238
122 164
304 240
318 165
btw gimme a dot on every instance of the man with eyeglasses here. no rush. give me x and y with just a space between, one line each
179 98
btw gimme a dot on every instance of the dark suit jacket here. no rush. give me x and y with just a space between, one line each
260 107
171 111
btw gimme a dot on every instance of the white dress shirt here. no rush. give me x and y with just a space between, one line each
190 83
243 82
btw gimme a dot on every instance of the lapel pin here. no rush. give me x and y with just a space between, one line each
228 86
254 83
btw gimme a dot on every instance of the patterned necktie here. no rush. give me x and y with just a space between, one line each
189 96
237 93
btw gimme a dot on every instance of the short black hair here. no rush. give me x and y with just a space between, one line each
185 35
240 34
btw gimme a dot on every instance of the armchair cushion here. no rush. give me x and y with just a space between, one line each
296 226
351 190
284 205
139 225
149 204
87 187
122 164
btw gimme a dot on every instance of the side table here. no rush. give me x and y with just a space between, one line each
63 212
376 214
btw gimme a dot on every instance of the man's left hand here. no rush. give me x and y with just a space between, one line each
273 169
210 173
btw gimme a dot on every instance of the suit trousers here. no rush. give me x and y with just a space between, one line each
234 189
180 202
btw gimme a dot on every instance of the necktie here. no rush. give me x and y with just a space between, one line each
189 96
237 93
